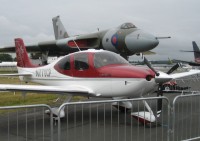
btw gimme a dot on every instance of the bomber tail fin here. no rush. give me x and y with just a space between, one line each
196 51
22 55
59 29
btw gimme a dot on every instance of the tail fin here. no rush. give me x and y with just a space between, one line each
59 29
22 55
196 51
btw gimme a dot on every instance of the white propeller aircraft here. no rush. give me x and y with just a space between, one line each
91 73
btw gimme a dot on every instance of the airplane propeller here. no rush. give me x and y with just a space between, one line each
175 67
149 65
160 79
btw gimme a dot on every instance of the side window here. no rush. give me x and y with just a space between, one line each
64 63
81 61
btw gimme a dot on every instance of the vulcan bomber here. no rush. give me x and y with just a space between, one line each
126 40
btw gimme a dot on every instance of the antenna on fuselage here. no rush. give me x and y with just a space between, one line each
76 45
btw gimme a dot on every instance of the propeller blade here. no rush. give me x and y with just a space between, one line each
175 67
149 65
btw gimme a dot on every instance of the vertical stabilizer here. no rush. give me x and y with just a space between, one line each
196 52
22 55
59 30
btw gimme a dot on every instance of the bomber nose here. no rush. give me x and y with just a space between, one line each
140 41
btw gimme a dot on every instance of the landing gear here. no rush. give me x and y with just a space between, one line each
55 110
123 106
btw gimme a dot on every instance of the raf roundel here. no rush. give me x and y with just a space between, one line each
114 40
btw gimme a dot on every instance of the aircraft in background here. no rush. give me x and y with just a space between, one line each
8 64
196 56
92 73
125 40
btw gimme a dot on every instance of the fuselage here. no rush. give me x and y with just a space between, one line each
126 40
105 73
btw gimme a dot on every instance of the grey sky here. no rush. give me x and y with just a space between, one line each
31 20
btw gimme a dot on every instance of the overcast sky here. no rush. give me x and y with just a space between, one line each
32 20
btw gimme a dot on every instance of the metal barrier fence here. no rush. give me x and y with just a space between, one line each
186 117
100 121
23 123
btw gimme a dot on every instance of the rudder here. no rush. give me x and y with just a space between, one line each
22 55
59 30
196 50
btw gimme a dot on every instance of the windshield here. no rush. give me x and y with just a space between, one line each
127 26
107 58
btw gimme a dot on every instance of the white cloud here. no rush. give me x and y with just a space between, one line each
39 37
8 26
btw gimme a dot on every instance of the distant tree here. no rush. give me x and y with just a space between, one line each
6 58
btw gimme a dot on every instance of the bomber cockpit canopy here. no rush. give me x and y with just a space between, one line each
127 26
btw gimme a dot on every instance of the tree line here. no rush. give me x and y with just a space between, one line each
8 58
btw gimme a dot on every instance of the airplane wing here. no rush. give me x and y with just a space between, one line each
184 74
61 46
190 63
163 77
74 90
11 48
16 74
148 53
49 46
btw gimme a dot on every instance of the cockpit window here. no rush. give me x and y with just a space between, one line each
107 58
64 63
127 26
81 61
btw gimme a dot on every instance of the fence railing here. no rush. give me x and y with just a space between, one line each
26 122
185 117
99 120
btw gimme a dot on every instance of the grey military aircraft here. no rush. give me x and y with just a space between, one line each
125 40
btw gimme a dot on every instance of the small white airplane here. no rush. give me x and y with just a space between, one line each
91 73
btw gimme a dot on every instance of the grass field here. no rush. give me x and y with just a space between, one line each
12 98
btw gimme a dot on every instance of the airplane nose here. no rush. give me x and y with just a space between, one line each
140 41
